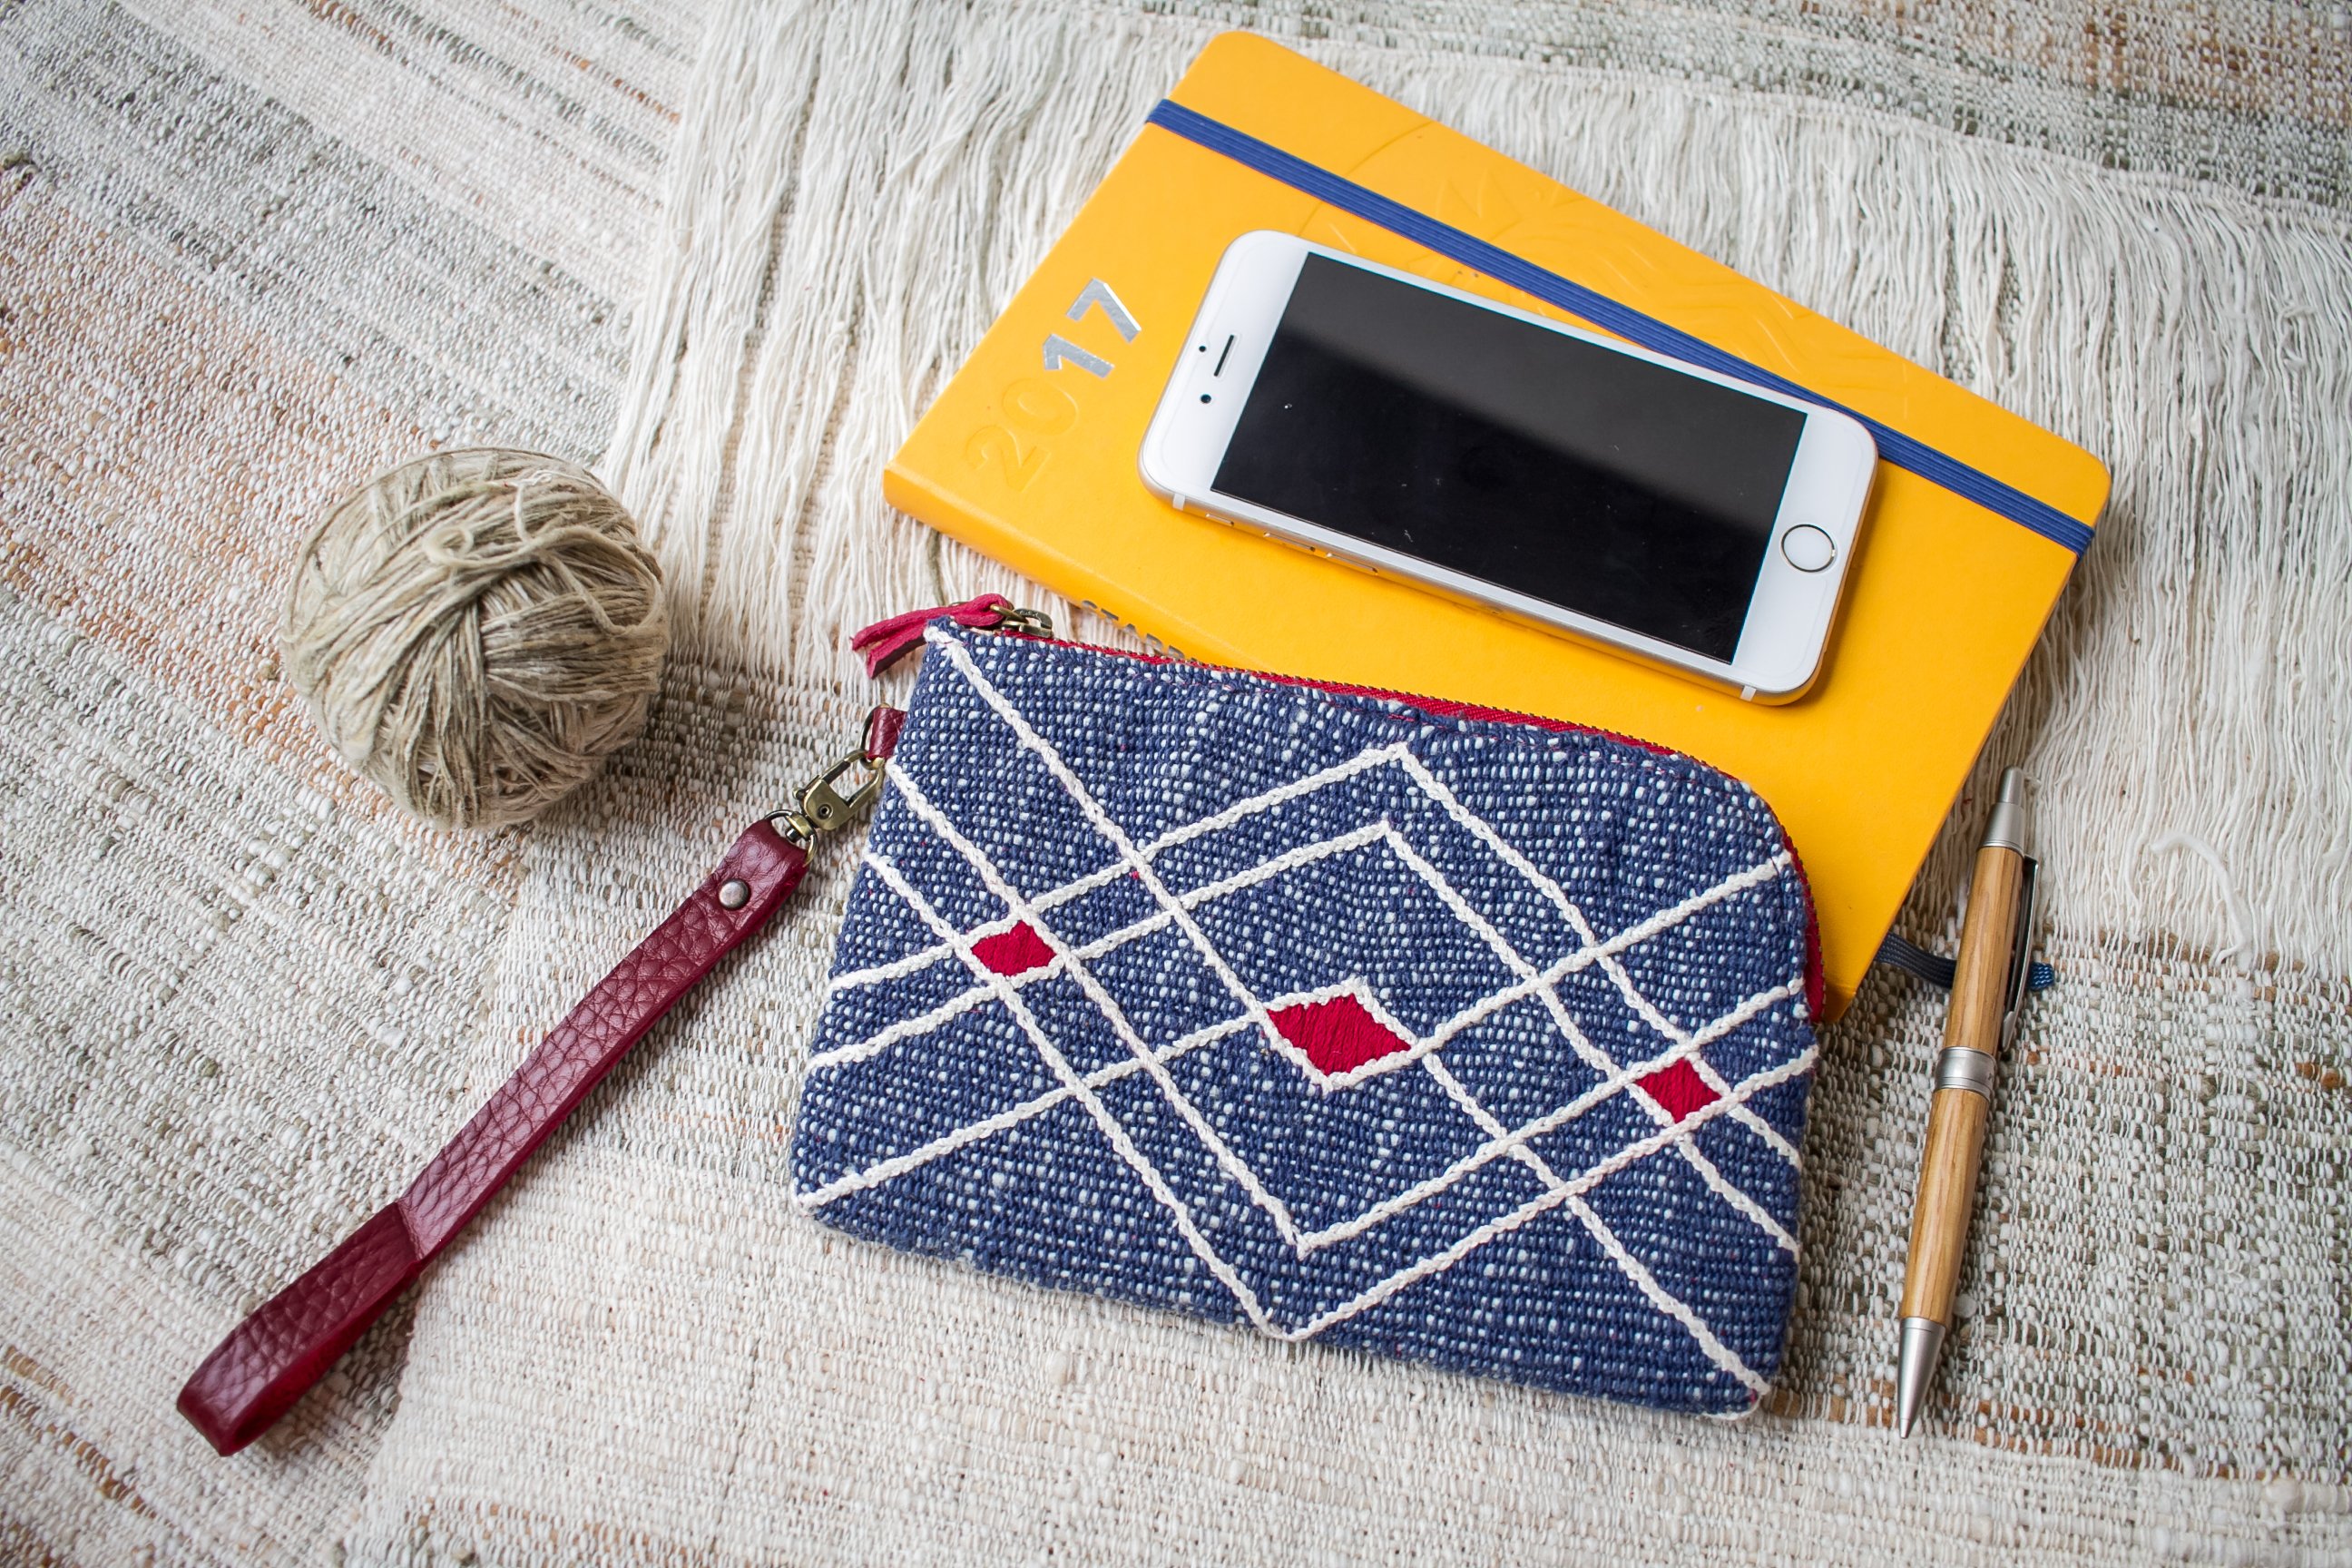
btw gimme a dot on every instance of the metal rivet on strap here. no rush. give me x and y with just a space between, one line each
734 894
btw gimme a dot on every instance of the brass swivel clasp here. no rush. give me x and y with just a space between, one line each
825 803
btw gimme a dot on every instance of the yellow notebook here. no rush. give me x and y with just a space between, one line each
1029 456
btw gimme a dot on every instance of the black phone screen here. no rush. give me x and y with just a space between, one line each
1532 460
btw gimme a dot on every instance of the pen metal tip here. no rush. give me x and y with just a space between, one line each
1914 1368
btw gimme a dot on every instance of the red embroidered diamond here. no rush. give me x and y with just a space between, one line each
1678 1090
1014 951
1338 1033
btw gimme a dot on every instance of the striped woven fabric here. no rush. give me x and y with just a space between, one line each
251 250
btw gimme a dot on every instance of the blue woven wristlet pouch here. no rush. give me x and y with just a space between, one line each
1341 1016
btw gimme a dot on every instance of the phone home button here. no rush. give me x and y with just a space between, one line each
1808 548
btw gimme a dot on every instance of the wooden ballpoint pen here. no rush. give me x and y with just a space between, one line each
1988 984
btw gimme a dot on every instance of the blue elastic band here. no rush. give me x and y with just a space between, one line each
1650 334
1897 952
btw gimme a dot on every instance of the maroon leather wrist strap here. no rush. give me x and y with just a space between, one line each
269 1360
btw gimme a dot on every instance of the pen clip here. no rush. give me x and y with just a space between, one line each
2020 951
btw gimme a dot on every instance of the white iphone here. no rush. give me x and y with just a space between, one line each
1555 475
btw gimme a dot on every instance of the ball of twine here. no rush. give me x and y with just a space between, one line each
475 631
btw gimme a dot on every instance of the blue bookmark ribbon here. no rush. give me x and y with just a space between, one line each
1894 447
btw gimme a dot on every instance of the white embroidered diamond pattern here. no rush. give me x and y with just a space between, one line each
1681 1090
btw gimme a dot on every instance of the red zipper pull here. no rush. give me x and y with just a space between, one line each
885 643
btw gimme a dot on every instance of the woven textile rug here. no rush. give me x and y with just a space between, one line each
250 249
